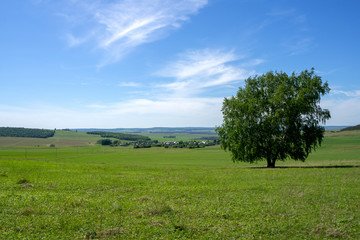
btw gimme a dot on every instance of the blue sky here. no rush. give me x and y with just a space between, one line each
148 63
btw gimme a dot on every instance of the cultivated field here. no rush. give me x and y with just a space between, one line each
93 192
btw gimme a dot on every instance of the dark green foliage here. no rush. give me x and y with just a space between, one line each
22 181
274 117
357 127
208 138
144 145
26 132
105 142
121 136
170 136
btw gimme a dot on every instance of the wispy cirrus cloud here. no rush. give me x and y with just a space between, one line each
299 45
200 69
188 111
119 26
354 93
180 101
298 39
129 84
75 41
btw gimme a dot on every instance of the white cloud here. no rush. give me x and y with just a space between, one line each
75 41
44 117
344 112
344 107
176 104
200 69
129 84
355 93
197 62
252 63
172 112
164 106
121 25
97 106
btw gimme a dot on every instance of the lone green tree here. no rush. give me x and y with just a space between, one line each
274 117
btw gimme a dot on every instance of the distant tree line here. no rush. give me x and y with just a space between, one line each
121 136
189 144
357 127
170 136
156 143
209 138
26 132
114 143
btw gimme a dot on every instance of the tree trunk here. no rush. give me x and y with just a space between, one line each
270 163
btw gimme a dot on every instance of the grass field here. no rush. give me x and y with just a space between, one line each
60 139
94 192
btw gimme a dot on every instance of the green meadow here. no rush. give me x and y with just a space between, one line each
60 139
79 190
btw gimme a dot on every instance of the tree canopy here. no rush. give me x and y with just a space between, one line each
274 117
26 132
121 136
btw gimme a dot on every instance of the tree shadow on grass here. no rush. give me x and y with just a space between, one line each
328 166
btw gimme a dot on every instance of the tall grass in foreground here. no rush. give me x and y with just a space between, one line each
157 193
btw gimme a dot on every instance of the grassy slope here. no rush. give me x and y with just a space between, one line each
357 127
96 192
60 139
